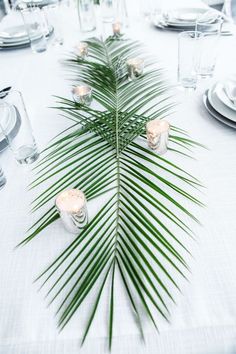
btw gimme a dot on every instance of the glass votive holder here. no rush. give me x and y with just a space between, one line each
23 145
82 94
71 205
116 28
82 50
157 135
135 68
3 180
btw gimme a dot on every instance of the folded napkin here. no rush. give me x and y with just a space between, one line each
230 90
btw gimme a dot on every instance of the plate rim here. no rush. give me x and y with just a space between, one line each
186 9
216 114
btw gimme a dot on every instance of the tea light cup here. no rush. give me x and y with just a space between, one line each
71 205
135 68
116 27
82 49
157 135
82 94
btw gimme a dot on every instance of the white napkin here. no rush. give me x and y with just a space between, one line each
230 90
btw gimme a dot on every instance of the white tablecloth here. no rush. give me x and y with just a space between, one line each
204 320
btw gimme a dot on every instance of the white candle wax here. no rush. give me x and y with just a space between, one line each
71 205
135 67
82 49
157 135
116 26
82 94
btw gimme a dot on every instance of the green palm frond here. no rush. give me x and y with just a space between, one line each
104 152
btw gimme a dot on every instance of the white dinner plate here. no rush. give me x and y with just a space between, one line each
220 91
161 25
13 33
22 42
215 114
11 123
219 106
17 35
185 16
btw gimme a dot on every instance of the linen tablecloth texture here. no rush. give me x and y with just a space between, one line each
204 321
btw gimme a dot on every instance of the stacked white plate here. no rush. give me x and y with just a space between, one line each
219 105
184 19
10 120
180 19
17 37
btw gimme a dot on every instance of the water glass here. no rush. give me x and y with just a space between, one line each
52 16
147 8
35 24
3 180
230 10
107 10
120 12
209 24
23 145
189 49
86 13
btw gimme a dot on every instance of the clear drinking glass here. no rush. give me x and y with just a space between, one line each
3 180
147 8
23 145
189 48
120 12
230 10
107 10
209 24
34 22
86 13
52 15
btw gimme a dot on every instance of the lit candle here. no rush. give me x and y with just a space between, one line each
157 135
82 49
135 67
71 205
82 94
116 26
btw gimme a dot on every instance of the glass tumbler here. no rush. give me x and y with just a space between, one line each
35 24
189 49
108 10
209 24
52 15
23 145
230 10
121 12
3 180
86 13
146 8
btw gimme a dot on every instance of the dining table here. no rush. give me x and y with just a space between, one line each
203 320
